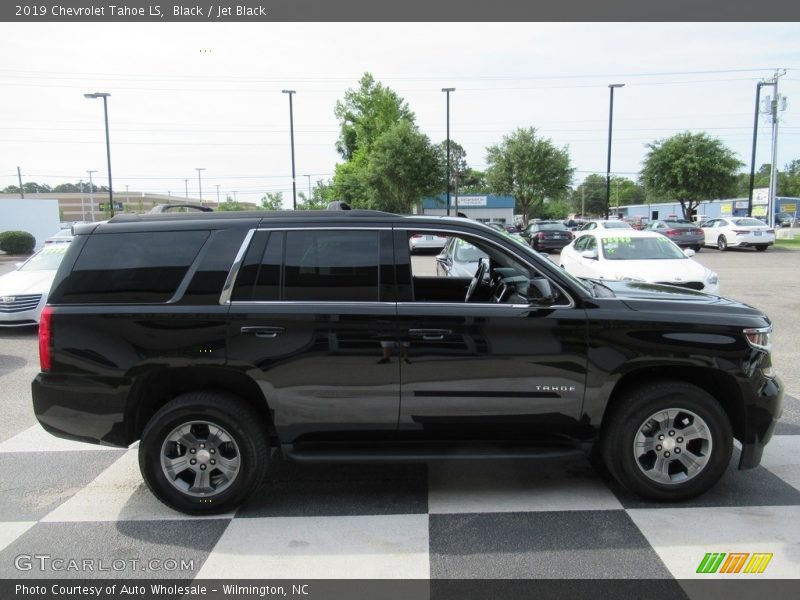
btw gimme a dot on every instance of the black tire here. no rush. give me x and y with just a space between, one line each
236 419
630 419
761 247
697 248
722 243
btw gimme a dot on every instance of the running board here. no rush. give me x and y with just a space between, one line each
408 452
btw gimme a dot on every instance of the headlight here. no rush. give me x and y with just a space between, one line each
759 338
712 277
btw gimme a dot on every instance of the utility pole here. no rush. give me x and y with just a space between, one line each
447 92
291 134
91 194
217 194
83 208
21 191
583 199
777 103
186 183
611 88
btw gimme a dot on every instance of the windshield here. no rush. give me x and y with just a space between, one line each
63 234
748 223
466 252
45 260
616 225
640 248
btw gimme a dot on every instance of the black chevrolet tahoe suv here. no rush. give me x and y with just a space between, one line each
215 339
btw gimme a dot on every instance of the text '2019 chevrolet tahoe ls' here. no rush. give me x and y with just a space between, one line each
214 338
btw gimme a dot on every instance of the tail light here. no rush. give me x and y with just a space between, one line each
699 231
770 231
416 236
46 338
540 235
740 231
671 232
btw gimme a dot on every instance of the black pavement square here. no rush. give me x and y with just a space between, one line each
122 549
558 544
34 483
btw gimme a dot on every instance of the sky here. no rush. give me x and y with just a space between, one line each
196 95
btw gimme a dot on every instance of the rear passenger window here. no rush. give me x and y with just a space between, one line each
331 265
131 267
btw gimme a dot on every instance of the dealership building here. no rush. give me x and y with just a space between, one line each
480 208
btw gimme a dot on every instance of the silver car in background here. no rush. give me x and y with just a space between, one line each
23 292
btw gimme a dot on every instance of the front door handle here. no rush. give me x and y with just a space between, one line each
430 334
263 332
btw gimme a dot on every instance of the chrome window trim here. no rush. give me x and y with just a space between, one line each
230 280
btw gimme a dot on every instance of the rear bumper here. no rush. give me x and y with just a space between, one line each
551 244
750 243
761 415
81 408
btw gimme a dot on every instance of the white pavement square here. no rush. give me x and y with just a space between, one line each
380 547
782 457
119 494
11 530
36 439
516 486
682 536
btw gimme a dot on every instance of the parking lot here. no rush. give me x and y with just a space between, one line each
517 519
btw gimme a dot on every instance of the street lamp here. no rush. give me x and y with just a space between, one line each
105 96
447 91
611 87
291 134
217 194
200 183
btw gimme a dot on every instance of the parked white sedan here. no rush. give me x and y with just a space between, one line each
738 232
633 255
23 292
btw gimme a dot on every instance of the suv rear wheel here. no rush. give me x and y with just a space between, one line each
203 452
668 441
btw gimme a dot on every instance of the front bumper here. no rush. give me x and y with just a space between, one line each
761 414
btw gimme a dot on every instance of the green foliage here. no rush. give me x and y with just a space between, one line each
319 197
472 181
272 201
589 198
17 242
689 168
230 205
559 209
365 113
390 164
530 168
401 169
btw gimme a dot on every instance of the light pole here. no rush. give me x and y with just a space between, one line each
105 96
291 135
309 189
447 92
217 194
611 87
91 194
200 183
186 186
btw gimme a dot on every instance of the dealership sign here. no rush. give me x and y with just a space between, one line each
472 201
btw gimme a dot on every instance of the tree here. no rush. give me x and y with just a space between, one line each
589 198
472 181
319 197
272 201
401 169
365 113
458 162
229 205
530 168
689 168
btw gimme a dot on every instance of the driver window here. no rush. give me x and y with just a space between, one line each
446 273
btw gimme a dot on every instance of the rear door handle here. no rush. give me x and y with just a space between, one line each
430 334
263 332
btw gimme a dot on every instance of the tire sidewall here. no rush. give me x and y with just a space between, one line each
169 418
624 464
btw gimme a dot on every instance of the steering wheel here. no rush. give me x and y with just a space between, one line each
483 265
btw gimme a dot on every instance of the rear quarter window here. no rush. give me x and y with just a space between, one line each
122 268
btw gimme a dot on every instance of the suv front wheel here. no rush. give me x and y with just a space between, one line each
668 441
203 452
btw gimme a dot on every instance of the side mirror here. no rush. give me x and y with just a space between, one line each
541 292
689 252
442 258
591 254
